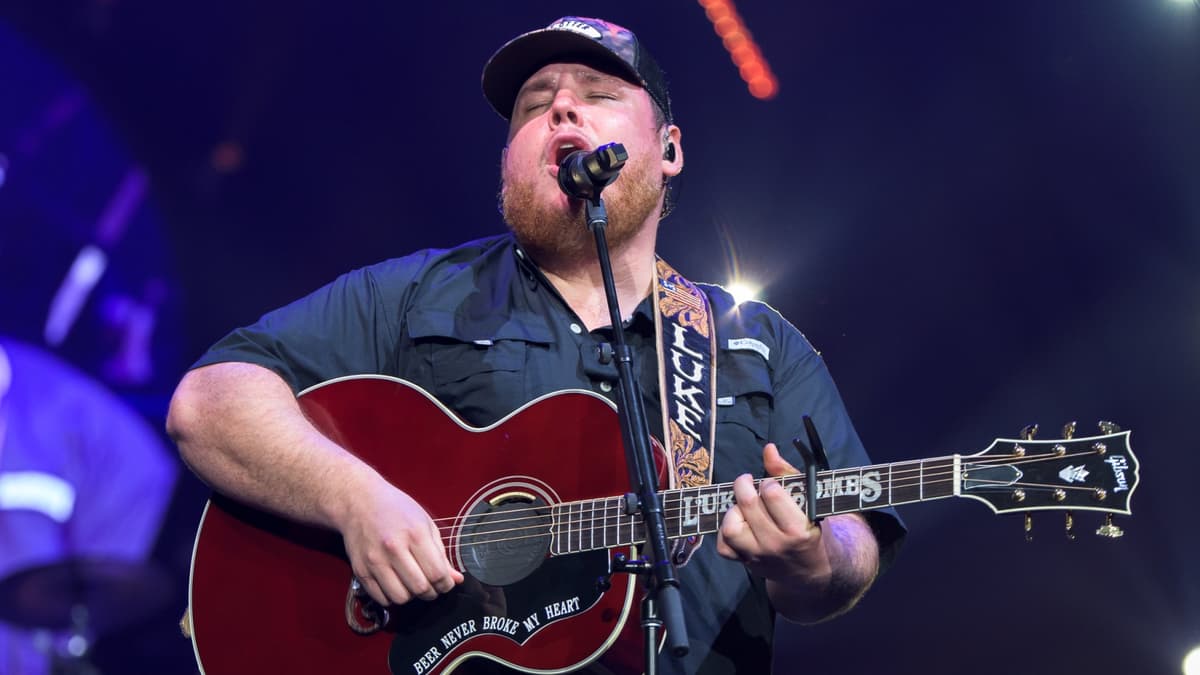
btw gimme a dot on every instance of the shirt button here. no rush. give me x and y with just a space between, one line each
576 329
605 386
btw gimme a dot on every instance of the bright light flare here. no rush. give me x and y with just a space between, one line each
743 291
1191 662
743 50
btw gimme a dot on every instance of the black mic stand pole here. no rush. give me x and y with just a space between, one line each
661 605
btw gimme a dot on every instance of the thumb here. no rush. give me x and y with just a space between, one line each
774 463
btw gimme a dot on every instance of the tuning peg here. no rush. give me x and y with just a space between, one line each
1107 427
1028 528
1068 430
1070 526
1108 530
1028 432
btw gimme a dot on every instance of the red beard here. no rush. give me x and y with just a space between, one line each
555 236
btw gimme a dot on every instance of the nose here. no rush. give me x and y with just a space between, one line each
564 109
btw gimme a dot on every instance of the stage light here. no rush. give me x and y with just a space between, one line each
743 51
1191 662
764 87
85 272
742 291
227 157
743 54
3 168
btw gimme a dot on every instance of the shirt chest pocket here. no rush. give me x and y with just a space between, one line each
476 370
454 360
745 402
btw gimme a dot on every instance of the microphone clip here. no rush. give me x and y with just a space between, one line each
583 174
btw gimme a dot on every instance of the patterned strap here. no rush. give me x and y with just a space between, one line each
687 375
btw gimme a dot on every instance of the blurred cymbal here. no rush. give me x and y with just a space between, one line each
114 593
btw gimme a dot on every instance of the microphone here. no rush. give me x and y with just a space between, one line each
583 174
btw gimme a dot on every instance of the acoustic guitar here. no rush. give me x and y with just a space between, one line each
531 510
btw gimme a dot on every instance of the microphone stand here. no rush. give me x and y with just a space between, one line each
661 604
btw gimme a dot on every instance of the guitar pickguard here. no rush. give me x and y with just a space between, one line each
564 587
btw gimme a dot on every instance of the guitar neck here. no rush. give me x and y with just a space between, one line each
603 523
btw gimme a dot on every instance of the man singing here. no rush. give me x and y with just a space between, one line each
492 324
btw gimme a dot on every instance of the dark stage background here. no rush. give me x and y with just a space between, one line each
983 214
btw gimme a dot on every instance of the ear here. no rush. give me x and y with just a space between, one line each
672 162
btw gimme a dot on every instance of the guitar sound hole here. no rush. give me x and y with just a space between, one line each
504 543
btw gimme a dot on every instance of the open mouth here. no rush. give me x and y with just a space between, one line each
563 147
564 151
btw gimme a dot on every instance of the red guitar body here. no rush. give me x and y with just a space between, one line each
270 596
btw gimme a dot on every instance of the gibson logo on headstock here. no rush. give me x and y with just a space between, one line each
1119 466
1074 474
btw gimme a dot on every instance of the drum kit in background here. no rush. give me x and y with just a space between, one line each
70 604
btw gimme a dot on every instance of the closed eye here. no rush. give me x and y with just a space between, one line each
534 106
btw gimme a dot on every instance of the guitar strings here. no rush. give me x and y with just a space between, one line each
922 474
572 526
584 529
894 484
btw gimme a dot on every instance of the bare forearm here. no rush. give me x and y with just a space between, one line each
239 428
853 557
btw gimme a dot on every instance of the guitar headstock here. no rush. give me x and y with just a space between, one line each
1095 473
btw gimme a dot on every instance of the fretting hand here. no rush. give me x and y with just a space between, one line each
769 532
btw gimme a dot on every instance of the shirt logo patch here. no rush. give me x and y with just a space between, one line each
752 345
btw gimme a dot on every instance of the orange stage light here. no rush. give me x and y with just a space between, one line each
743 51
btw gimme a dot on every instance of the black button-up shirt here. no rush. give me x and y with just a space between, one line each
480 328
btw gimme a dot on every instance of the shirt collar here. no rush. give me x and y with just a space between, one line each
643 314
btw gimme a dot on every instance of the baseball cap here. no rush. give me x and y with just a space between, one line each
595 40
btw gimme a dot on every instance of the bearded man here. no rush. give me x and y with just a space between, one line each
493 324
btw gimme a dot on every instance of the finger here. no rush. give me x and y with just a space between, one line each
431 555
412 574
774 462
738 527
775 521
456 577
782 510
732 526
754 512
372 589
389 589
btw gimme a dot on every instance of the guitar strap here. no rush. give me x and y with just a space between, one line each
687 380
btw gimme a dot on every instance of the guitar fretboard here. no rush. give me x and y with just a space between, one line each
603 523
